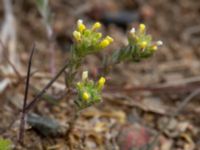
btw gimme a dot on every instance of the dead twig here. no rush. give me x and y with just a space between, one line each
21 132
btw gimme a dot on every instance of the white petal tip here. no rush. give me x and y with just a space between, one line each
159 43
80 21
132 31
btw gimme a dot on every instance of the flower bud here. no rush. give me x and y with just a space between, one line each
142 27
101 82
85 96
109 39
154 48
77 35
84 75
104 43
96 26
80 26
143 44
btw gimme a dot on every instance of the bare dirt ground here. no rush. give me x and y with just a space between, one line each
140 100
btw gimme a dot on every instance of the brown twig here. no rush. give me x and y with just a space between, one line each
21 132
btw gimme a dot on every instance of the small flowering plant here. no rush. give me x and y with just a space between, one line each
89 40
89 92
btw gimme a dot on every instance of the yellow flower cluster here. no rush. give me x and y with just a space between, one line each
88 40
140 46
89 92
142 39
100 85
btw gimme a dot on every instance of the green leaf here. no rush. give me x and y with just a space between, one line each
5 144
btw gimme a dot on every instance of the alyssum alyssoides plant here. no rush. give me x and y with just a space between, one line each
90 41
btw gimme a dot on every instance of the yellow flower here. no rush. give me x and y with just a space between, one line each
142 27
77 35
109 39
154 48
96 26
80 26
85 96
101 82
104 43
143 44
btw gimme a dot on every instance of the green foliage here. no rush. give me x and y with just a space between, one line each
5 144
